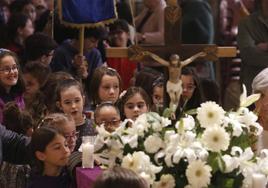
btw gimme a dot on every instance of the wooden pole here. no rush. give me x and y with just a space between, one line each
81 40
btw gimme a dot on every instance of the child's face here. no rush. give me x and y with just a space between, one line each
158 93
135 106
188 86
109 117
31 85
27 30
9 73
56 153
70 134
119 38
90 43
109 89
72 103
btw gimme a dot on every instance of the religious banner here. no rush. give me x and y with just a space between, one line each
87 13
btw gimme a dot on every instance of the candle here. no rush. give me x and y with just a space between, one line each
87 155
258 180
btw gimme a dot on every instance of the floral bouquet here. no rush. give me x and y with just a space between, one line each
207 148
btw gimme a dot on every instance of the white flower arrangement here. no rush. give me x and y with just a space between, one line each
210 148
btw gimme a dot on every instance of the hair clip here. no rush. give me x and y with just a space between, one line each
122 94
2 50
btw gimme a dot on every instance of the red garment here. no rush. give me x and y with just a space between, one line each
124 67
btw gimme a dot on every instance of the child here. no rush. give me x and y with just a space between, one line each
51 156
158 94
70 100
106 85
65 124
35 76
134 103
108 114
49 88
119 177
12 175
119 37
11 83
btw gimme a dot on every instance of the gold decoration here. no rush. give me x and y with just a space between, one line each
173 14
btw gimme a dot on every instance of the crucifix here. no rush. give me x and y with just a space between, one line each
172 44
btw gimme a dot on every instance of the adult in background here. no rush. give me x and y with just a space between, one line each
150 22
252 40
260 85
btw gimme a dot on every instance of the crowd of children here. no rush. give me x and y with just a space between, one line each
48 93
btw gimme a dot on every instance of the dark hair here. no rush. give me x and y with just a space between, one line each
145 79
130 93
16 21
105 104
17 120
49 88
211 90
119 25
40 139
37 45
65 84
96 81
18 5
118 177
19 88
198 96
38 70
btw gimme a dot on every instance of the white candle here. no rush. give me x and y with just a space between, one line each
87 155
258 180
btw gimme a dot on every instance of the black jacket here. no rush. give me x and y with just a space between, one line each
13 147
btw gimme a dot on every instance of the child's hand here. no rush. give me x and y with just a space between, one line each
79 60
82 71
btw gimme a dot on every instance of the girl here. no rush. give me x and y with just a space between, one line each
35 76
51 155
19 121
119 37
11 83
20 27
192 94
134 103
70 100
108 114
158 94
65 124
106 85
49 88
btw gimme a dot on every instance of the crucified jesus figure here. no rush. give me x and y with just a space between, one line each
174 83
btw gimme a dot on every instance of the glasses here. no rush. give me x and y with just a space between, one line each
73 135
188 87
111 123
8 70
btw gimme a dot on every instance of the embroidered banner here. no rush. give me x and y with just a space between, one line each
89 13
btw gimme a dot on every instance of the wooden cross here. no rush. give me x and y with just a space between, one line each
173 44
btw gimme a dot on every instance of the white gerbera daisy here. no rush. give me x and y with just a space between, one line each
198 174
166 181
153 143
210 114
216 139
